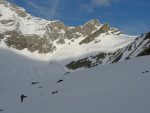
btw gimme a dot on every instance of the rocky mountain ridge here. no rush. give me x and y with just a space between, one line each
21 30
86 46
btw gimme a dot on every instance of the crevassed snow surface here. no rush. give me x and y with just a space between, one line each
118 88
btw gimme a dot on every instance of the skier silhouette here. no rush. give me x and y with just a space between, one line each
22 97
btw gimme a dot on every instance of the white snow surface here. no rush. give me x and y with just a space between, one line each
107 43
73 51
115 88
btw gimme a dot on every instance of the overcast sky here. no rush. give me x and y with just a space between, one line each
131 16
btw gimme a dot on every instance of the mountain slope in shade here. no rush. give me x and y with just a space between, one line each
121 87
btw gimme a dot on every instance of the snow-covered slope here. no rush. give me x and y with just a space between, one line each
94 43
139 47
24 32
116 88
87 45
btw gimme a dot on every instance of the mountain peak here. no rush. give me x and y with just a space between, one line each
93 21
20 30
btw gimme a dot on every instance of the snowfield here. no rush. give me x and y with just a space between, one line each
123 87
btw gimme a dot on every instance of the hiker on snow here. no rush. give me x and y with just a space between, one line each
22 97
